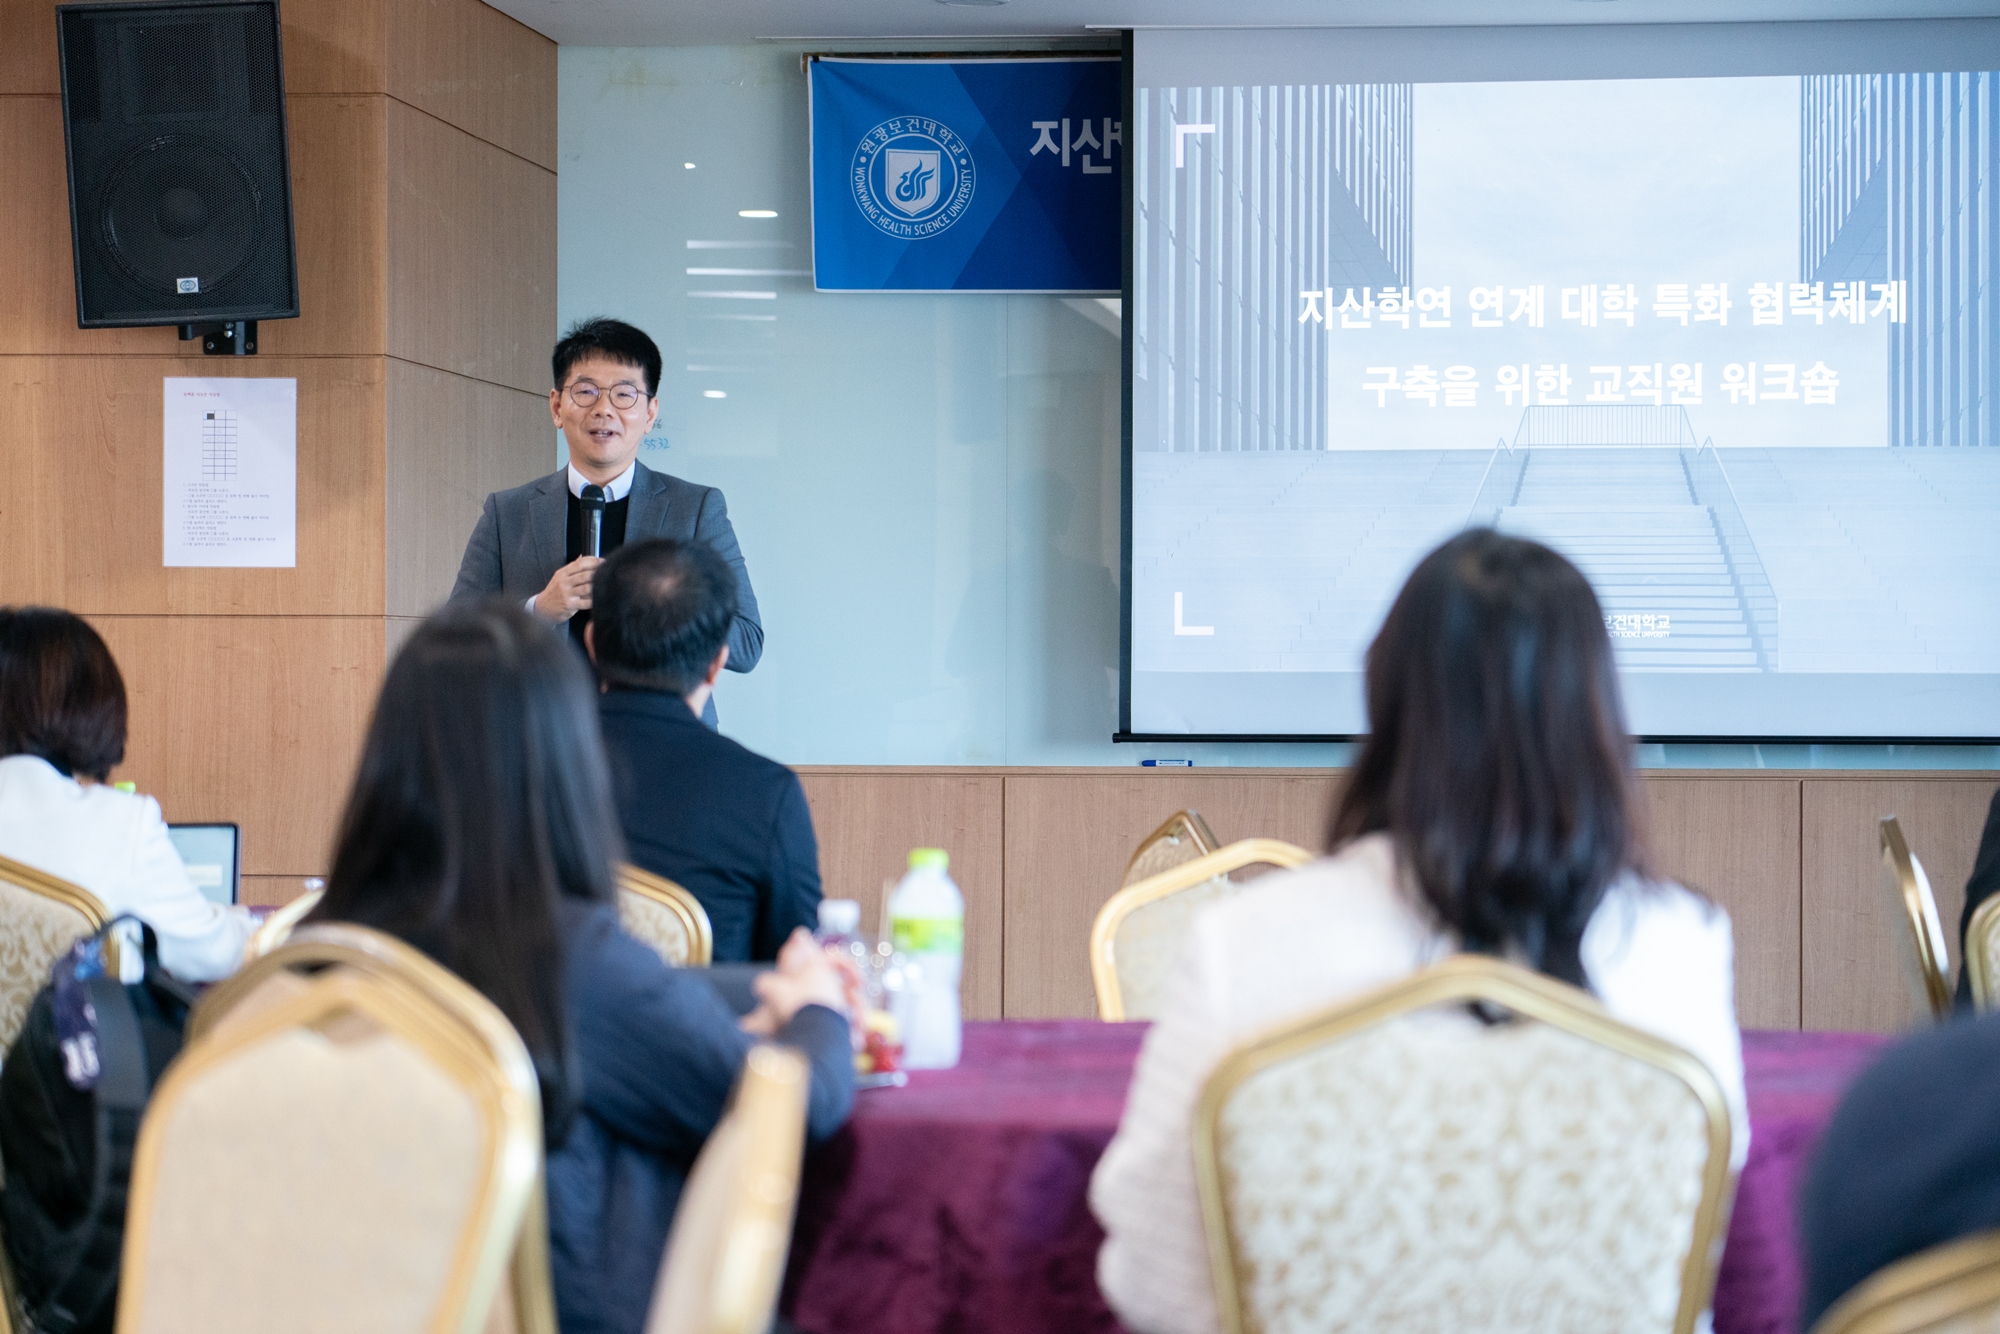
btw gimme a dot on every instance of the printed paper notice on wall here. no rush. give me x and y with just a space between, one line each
231 472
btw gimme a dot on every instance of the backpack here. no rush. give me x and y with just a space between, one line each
72 1090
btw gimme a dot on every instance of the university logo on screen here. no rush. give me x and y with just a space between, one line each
913 177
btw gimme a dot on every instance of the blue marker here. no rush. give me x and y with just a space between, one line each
1167 764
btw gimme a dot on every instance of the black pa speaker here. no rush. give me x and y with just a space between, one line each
180 188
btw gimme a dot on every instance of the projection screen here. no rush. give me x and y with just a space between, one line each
1709 308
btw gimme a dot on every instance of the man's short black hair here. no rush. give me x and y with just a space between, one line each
660 612
612 339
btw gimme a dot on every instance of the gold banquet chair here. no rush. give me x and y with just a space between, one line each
1926 959
1982 955
1138 932
1184 837
726 1253
660 913
1394 1163
527 1304
277 928
344 1159
1953 1288
40 917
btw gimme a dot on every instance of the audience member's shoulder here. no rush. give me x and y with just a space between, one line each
1954 1056
28 782
601 958
1664 907
595 946
1353 884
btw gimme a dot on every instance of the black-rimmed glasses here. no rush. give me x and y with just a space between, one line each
623 396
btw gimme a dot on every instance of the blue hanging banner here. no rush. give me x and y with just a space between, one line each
967 175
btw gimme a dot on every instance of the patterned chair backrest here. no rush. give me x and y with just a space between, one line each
726 1253
1397 1164
660 913
268 982
1982 955
1138 932
1948 1289
1926 959
1184 837
387 1162
40 917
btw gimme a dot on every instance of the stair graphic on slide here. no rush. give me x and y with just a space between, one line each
1656 530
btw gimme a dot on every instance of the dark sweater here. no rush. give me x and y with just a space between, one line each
1909 1161
658 1051
722 821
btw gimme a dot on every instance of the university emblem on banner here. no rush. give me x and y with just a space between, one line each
912 177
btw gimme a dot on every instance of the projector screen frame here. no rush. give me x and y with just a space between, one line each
1897 38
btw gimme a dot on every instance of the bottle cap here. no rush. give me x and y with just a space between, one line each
839 917
929 859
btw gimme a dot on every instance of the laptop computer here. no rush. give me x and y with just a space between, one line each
211 854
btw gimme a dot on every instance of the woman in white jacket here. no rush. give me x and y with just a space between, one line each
62 729
1491 809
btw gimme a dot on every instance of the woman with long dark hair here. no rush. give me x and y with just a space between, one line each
1492 809
481 830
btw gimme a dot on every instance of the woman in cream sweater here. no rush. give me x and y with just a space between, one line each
1492 809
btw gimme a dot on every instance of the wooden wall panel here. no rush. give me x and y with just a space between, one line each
1852 975
80 517
1733 835
475 68
338 150
28 48
253 719
472 228
331 46
1735 838
270 891
869 819
1070 834
250 688
452 440
340 217
334 46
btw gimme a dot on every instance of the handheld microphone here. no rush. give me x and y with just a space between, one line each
593 520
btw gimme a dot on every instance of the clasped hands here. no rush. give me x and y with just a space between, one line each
805 974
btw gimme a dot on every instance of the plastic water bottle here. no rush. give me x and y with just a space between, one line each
927 922
840 927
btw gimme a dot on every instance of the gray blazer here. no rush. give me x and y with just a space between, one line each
522 535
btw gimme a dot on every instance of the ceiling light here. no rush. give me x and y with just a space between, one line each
714 393
756 213
688 165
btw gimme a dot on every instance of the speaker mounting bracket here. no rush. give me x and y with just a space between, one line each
230 338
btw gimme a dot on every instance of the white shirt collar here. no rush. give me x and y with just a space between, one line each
616 489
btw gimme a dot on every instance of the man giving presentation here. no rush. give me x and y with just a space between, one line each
534 542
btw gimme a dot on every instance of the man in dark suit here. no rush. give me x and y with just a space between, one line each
728 825
1983 885
529 543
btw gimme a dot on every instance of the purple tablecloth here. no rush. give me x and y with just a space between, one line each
957 1205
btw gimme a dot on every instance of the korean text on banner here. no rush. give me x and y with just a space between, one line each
967 175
